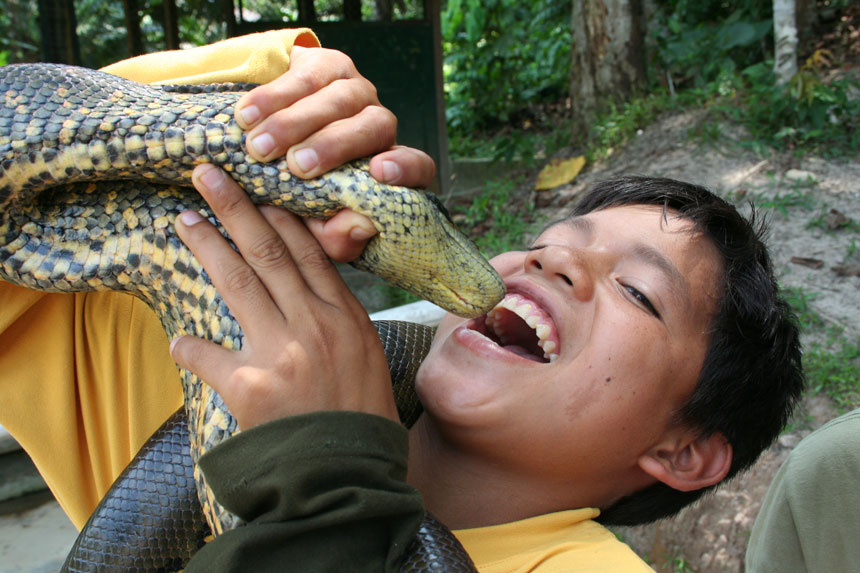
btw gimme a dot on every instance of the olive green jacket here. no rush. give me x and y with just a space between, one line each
810 517
320 492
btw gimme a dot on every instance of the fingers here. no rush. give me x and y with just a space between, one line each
308 345
321 114
311 69
234 279
314 273
404 166
205 359
344 236
372 129
260 280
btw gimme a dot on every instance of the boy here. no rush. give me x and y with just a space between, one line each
641 356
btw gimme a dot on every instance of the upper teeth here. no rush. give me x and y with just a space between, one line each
531 316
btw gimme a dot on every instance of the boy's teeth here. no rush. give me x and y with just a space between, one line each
523 310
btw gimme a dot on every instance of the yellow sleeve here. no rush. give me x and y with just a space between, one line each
255 58
87 377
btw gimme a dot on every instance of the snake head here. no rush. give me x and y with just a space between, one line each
420 250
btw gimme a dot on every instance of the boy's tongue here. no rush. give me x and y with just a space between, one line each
519 350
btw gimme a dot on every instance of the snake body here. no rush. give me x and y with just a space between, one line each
94 170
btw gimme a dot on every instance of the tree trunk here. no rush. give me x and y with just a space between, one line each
228 13
352 10
133 36
784 40
58 26
383 10
171 24
307 12
607 57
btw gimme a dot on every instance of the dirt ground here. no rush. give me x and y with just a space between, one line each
712 535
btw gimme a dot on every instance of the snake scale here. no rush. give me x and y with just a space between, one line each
94 169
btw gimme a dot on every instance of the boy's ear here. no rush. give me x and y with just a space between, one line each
686 461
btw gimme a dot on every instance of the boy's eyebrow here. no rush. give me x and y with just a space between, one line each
579 223
679 288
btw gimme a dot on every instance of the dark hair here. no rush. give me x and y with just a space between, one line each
752 376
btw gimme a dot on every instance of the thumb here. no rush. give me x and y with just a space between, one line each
207 360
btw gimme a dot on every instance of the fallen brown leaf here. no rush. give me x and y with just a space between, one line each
847 270
808 262
835 219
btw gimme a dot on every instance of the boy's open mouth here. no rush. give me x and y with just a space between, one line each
522 327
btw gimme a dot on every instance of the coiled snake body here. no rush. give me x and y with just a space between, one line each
94 169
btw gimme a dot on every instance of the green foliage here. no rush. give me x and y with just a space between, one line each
101 32
502 56
698 42
834 369
492 223
621 122
806 114
832 361
782 202
525 146
19 31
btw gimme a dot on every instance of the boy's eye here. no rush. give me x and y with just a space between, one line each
642 299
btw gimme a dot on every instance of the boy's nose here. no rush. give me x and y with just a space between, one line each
566 268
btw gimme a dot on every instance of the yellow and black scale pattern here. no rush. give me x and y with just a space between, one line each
94 169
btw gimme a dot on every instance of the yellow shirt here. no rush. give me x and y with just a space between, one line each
87 378
554 543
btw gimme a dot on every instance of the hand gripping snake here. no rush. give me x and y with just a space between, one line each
93 171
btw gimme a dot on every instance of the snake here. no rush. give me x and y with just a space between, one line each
94 169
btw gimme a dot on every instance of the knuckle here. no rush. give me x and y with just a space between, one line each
313 258
342 63
375 128
346 99
194 354
240 279
306 78
380 114
229 204
267 252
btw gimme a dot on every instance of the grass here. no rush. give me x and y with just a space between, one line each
782 202
492 224
832 360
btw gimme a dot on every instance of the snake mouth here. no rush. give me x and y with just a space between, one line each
519 325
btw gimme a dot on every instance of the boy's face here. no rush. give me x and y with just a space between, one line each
624 300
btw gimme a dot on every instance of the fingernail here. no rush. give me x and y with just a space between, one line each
190 218
391 171
361 234
250 115
173 343
263 144
212 177
307 159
